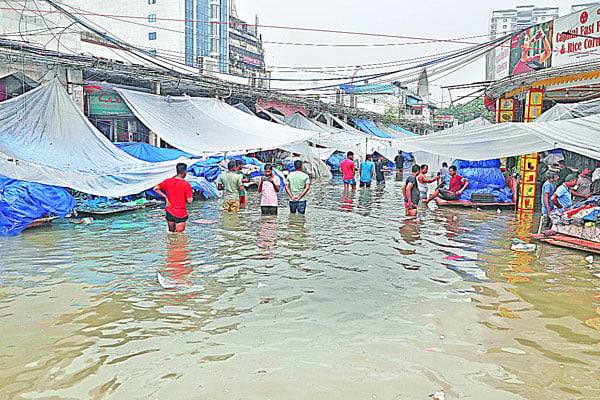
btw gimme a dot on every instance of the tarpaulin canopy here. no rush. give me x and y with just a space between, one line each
570 111
201 125
370 128
244 108
144 151
45 138
337 139
579 135
402 130
147 152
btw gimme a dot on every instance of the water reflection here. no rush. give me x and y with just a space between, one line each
267 306
178 264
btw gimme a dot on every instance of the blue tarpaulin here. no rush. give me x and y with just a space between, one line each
484 177
23 202
334 161
146 152
369 127
402 130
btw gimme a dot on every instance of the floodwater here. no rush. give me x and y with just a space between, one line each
352 301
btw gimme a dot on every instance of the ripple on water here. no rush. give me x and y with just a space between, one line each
350 298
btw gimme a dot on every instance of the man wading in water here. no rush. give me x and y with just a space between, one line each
179 193
410 191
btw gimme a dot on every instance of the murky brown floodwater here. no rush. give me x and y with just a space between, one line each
351 302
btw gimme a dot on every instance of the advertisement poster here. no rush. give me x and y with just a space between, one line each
577 37
532 49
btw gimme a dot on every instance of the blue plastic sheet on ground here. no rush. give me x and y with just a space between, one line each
484 177
369 127
23 202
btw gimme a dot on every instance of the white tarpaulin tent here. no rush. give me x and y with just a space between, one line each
45 138
570 111
579 135
200 125
338 139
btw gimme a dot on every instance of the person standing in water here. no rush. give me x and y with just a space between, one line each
399 161
348 171
423 181
178 195
410 191
367 170
268 188
379 176
231 183
239 164
297 185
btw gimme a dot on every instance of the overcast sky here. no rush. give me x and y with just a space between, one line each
441 19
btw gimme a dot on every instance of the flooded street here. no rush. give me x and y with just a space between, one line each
350 302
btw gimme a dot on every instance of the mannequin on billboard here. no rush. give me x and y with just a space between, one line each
527 63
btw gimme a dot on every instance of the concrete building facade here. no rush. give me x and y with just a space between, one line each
503 22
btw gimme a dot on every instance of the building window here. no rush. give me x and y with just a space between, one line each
152 36
214 11
151 1
152 18
214 45
152 53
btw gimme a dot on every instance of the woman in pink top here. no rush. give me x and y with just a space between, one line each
268 188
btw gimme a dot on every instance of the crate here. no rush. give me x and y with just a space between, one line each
483 198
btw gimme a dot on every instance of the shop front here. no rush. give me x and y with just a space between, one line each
109 113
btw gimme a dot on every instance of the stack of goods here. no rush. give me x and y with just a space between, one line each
334 162
581 220
484 177
21 203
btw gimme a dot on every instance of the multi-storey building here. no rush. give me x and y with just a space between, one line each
197 33
582 6
503 22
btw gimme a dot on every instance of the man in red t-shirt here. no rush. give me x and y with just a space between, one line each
178 194
348 171
457 185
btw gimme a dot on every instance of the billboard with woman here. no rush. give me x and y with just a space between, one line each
531 50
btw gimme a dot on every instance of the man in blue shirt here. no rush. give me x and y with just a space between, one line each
562 197
547 192
367 170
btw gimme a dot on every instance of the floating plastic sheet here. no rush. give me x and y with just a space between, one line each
199 125
44 138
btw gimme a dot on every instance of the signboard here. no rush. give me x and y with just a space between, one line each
251 60
105 102
569 47
497 62
505 110
531 50
368 89
528 184
533 104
